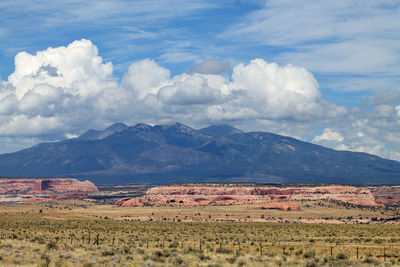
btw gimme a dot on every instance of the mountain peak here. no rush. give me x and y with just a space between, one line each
177 125
141 126
98 135
174 124
116 127
220 130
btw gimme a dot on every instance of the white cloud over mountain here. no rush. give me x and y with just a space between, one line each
145 77
77 68
53 86
63 91
329 135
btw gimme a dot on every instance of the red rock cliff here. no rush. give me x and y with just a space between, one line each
45 186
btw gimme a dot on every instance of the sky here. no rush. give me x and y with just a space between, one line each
326 72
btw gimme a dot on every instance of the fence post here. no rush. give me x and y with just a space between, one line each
357 252
96 242
384 253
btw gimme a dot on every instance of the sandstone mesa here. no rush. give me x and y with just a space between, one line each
234 194
55 188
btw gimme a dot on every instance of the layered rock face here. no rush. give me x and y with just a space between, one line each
48 186
217 194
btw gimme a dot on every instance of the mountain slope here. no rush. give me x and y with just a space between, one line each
96 135
177 153
220 130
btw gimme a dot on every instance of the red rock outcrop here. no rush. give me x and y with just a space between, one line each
134 202
122 200
386 195
285 206
45 186
228 194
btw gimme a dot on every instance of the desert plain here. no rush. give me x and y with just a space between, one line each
199 225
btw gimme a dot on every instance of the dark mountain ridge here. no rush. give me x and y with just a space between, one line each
175 153
220 130
97 135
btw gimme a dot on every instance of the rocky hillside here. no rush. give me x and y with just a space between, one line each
176 153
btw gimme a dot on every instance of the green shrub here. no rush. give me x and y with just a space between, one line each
370 260
51 245
342 256
157 256
126 249
107 253
203 257
312 264
309 254
140 251
177 261
224 250
298 252
231 260
241 263
174 244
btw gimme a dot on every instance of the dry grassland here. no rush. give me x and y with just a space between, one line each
77 233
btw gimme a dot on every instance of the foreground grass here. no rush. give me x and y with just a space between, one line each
17 253
77 234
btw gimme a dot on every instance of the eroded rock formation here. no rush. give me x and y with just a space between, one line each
48 186
227 194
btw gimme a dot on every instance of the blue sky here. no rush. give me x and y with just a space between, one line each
322 71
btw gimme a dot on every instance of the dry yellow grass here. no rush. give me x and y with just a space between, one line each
65 234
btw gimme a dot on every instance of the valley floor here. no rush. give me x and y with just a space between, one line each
79 233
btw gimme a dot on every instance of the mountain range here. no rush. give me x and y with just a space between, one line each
175 153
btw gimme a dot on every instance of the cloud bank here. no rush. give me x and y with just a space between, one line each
63 91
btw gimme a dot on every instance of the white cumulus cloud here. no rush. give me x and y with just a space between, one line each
77 68
59 89
329 135
278 92
257 90
145 77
